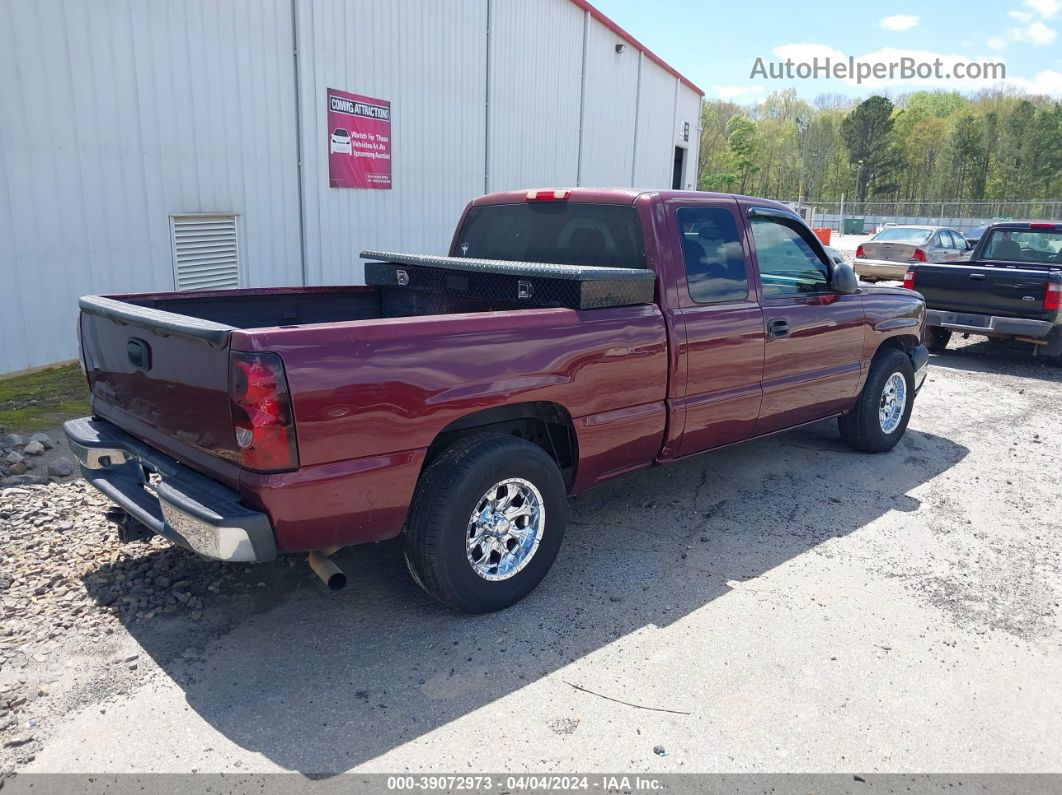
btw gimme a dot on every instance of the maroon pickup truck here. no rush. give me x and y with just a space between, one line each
441 405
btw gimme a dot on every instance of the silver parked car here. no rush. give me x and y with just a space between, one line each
891 251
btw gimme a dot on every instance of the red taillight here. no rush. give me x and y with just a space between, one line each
1042 226
262 418
908 280
918 256
547 195
1053 296
859 252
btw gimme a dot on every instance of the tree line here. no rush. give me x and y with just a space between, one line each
925 146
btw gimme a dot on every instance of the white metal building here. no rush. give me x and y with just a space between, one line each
184 144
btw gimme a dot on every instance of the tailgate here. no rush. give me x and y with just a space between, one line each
161 376
1007 292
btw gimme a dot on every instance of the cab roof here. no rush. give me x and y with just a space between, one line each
619 196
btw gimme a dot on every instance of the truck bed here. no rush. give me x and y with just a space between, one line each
288 306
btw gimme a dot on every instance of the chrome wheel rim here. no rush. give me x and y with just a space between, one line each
893 402
505 529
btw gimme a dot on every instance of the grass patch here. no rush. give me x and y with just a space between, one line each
42 400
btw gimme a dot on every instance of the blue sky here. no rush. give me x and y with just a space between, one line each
715 44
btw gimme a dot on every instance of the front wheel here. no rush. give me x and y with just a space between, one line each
486 522
880 416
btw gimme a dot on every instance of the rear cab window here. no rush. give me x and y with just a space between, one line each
712 254
902 234
560 232
1038 246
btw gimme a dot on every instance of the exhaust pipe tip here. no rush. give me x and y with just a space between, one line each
337 582
329 573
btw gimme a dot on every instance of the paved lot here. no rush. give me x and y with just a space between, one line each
787 605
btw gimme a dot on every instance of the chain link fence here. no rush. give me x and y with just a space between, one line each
858 218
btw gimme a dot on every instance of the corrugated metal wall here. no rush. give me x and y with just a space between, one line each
655 149
611 101
688 111
535 78
116 115
428 58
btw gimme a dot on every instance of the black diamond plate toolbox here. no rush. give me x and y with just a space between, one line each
515 284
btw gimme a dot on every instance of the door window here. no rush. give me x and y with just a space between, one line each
788 263
711 251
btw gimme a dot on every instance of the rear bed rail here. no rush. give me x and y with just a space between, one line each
216 335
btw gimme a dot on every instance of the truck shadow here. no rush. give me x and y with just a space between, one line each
998 358
318 682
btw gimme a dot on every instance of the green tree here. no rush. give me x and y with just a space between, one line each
867 133
741 142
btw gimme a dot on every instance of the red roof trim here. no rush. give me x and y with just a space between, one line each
608 23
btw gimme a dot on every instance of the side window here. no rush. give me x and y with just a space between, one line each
788 263
711 249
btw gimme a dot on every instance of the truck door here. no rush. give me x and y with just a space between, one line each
724 332
814 337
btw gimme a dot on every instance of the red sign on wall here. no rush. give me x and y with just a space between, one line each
359 141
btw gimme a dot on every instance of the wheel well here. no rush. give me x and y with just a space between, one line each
904 343
549 425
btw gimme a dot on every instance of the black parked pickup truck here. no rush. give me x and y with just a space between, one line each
1010 288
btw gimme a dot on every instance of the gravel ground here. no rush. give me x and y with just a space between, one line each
782 605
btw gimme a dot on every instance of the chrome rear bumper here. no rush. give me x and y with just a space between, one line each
187 508
988 324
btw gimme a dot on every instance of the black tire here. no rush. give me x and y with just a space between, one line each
861 427
447 494
936 338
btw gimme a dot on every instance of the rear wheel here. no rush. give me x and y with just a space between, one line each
486 522
880 416
936 338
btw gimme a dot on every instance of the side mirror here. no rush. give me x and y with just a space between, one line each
844 279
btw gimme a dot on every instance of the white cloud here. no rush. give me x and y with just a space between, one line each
732 92
1048 82
1035 33
899 22
997 42
1045 8
1021 16
806 52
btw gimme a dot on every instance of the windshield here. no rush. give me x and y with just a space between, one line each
902 234
559 232
1035 245
341 133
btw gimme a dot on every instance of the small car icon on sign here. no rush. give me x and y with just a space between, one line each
340 142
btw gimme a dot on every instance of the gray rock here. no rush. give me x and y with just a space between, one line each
14 457
33 448
18 468
18 741
14 440
61 467
43 439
